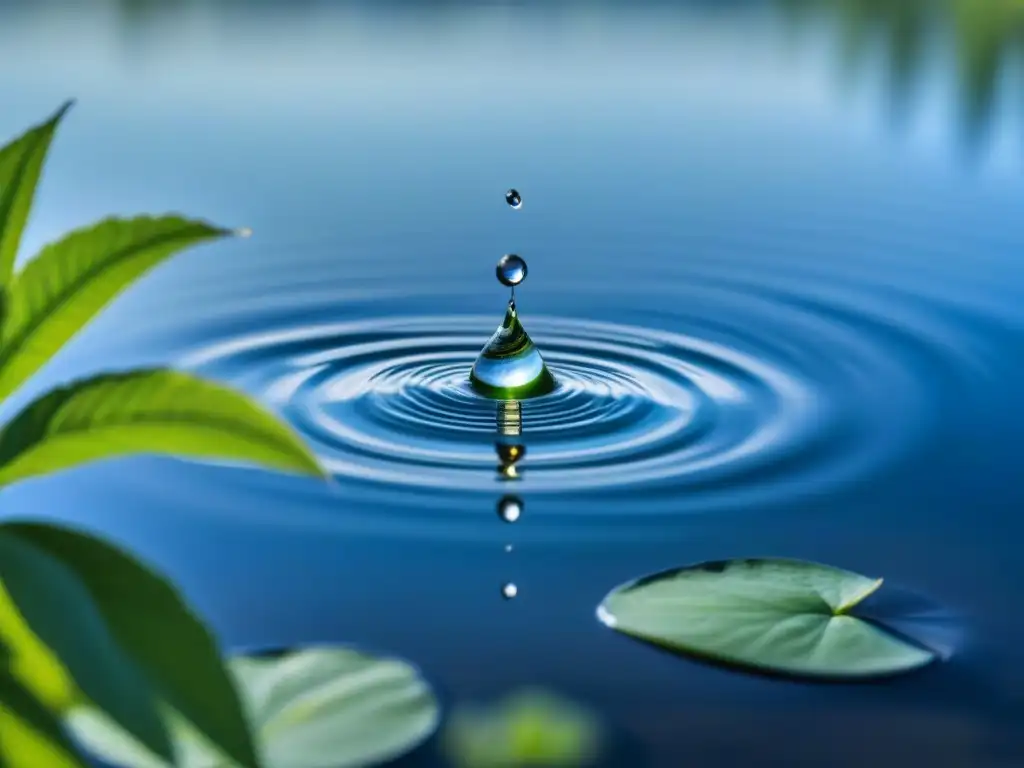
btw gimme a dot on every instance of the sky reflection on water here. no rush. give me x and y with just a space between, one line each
725 235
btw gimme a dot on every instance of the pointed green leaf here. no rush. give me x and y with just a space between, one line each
31 736
152 623
43 603
21 163
330 707
70 281
146 411
784 616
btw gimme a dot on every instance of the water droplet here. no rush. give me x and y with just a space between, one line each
510 590
508 547
243 232
514 199
510 508
511 270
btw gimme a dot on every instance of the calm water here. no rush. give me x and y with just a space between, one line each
782 294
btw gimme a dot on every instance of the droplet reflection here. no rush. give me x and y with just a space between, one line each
510 418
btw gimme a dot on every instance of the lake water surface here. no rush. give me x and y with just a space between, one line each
783 298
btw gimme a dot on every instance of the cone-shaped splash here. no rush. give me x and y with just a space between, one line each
510 367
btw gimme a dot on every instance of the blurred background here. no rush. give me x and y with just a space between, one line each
775 259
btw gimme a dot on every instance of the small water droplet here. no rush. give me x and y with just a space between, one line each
510 508
508 547
510 590
514 199
511 270
243 232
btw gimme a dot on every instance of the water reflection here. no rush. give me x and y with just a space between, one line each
975 47
510 508
979 44
509 418
508 446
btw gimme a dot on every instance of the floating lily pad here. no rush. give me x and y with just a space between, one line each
315 708
529 728
781 616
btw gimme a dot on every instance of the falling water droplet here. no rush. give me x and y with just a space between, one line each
511 270
508 547
510 508
510 590
514 199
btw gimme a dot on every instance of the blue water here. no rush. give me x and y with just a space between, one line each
783 322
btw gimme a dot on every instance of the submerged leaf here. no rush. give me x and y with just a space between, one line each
152 624
316 708
784 616
528 728
21 163
70 281
46 617
146 411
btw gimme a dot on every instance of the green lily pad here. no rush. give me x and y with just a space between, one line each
315 708
782 616
529 728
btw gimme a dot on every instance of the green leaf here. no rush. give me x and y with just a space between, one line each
71 280
151 622
43 604
31 736
783 616
320 707
146 411
532 727
21 163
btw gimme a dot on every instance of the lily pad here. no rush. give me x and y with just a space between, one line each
529 728
772 615
314 708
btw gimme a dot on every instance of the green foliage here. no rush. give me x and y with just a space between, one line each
146 410
46 614
532 727
156 629
82 623
782 616
70 281
21 163
30 735
317 707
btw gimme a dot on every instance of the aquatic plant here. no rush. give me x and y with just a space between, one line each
771 615
82 622
529 727
314 706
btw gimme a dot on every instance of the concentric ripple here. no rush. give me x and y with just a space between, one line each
386 401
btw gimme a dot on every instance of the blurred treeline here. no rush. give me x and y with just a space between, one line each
976 46
977 43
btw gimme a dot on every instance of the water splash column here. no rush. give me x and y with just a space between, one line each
510 450
510 367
